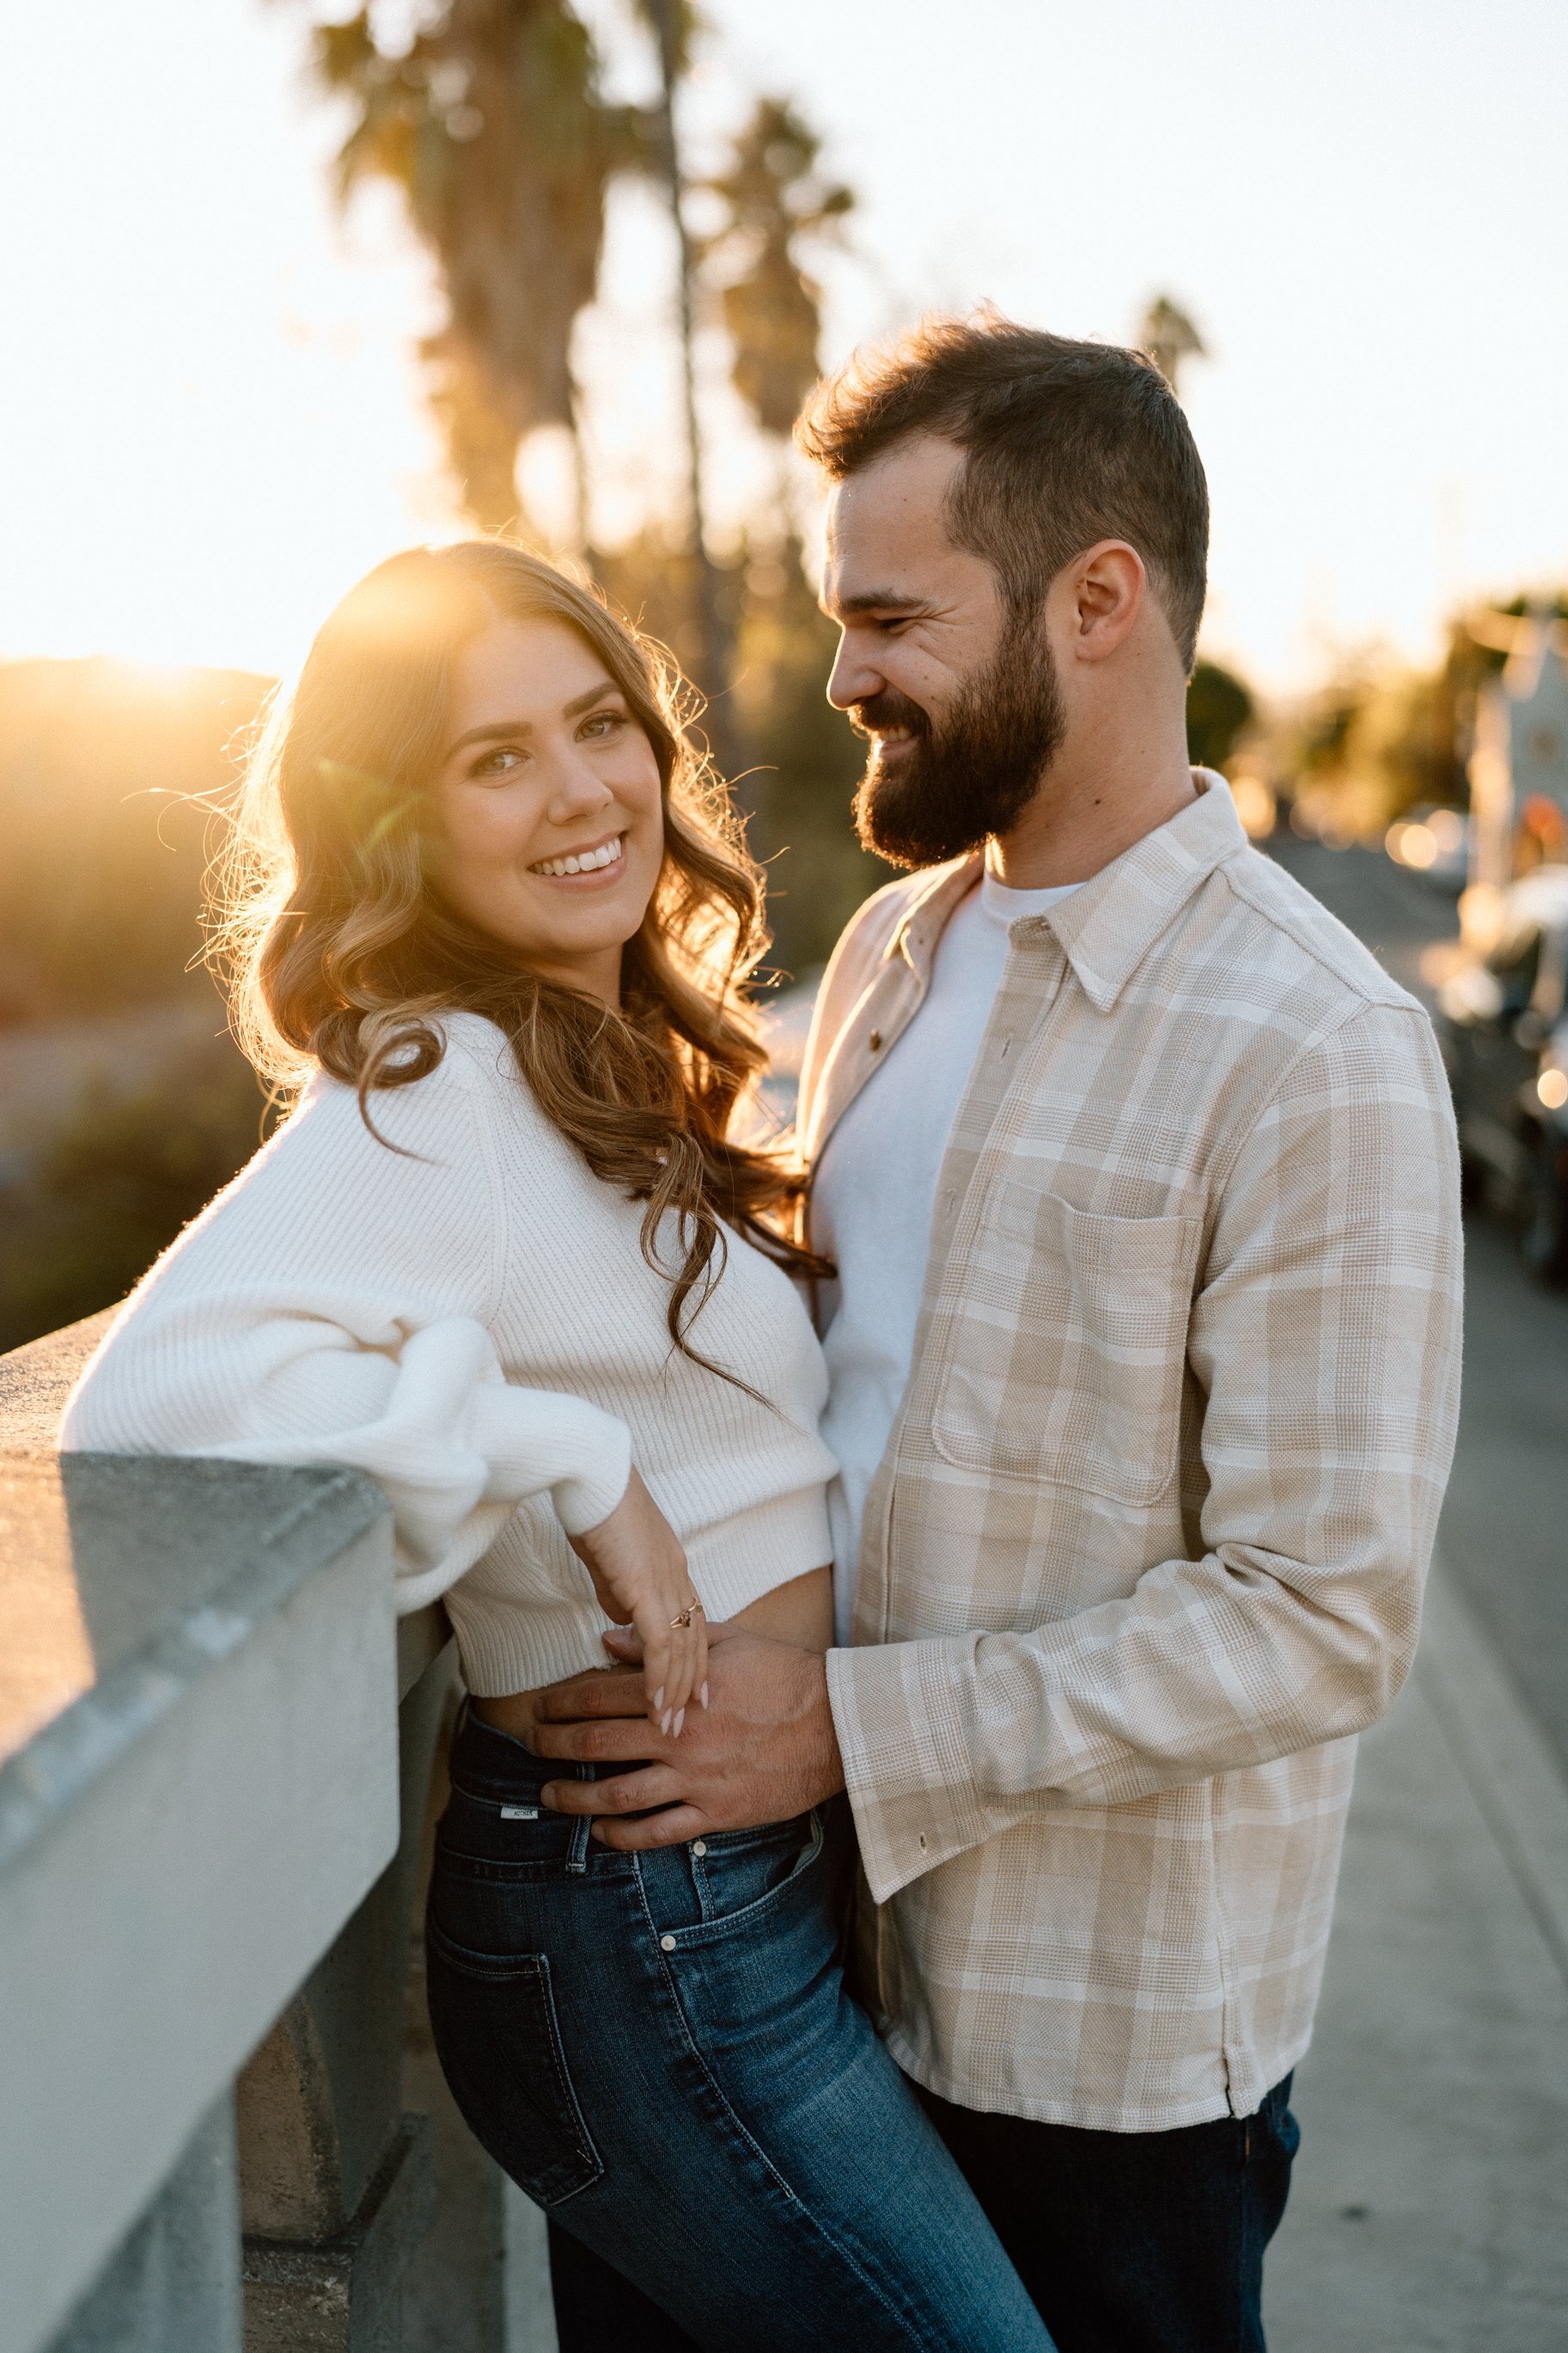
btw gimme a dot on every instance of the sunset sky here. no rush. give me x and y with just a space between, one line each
210 420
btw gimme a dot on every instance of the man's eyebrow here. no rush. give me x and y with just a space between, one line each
878 600
496 729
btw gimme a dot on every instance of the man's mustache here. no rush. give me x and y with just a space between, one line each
889 709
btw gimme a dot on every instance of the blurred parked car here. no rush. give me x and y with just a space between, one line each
1432 842
1502 1020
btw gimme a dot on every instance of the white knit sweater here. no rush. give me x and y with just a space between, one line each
470 1318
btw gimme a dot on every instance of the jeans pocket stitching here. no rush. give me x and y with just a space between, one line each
534 1967
712 1931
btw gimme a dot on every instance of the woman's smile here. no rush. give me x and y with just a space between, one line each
590 867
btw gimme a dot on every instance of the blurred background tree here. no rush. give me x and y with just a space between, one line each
1170 338
1379 737
772 201
1220 709
492 124
673 24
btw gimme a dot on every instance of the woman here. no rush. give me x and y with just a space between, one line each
505 1257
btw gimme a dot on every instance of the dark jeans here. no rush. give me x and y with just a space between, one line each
661 2050
1134 2243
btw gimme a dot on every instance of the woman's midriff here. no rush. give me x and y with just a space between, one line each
800 1612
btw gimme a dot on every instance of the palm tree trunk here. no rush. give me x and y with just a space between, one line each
665 18
587 553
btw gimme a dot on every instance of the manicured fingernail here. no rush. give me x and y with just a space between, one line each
659 1696
704 1695
680 1720
663 1719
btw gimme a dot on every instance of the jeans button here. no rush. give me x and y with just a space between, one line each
699 1846
666 1944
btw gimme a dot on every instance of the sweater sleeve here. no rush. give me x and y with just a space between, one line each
334 1305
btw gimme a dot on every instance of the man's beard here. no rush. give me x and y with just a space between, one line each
956 786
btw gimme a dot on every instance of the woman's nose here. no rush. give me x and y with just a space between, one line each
579 790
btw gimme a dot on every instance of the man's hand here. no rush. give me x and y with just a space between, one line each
762 1750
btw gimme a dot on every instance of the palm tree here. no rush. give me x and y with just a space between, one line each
493 125
775 199
673 25
1169 337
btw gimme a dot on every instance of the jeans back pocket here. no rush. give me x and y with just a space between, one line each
499 2042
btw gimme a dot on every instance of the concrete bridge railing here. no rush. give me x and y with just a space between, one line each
220 2122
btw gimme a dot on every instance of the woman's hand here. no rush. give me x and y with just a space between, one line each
640 1573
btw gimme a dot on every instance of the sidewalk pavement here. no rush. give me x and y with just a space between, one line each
1429 2208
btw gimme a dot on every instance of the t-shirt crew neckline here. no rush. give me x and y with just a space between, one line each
1006 905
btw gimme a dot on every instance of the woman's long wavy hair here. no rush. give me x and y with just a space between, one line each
338 950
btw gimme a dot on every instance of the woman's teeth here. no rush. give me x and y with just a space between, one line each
586 862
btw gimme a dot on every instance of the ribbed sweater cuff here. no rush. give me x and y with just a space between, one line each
531 1439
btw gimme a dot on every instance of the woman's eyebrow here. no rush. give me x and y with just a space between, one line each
495 729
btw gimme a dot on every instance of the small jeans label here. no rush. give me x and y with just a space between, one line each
520 1813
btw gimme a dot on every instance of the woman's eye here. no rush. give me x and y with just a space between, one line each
504 761
604 724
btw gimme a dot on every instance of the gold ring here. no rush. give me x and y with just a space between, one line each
693 1609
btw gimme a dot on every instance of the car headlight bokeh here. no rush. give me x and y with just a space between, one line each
1552 1081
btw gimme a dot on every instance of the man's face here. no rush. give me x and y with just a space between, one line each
960 699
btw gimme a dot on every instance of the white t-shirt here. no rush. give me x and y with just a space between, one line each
874 1196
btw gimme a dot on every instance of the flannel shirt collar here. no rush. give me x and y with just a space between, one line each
1111 921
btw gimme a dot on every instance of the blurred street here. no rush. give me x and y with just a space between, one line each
1505 1526
1429 2208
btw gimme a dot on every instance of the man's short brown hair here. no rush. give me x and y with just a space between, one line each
1066 443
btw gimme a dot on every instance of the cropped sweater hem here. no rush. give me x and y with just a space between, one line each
732 1566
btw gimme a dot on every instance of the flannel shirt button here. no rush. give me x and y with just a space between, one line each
876 1041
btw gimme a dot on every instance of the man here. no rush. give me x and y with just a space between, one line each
1140 1177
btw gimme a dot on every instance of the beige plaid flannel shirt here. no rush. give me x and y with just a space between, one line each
1146 1548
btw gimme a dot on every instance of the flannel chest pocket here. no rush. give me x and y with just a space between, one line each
1067 1355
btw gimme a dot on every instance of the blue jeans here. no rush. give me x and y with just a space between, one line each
660 2049
1135 2243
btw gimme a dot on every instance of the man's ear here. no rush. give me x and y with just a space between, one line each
1105 590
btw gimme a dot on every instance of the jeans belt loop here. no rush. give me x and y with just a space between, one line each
577 1852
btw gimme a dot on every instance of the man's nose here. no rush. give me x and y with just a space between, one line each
854 678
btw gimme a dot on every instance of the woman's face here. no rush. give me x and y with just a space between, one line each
550 793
